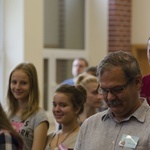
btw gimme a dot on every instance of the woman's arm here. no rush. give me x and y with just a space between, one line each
40 135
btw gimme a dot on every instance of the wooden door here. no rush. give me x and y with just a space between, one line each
140 52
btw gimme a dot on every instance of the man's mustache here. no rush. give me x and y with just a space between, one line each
113 103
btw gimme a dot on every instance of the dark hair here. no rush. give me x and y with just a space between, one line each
77 95
91 70
121 59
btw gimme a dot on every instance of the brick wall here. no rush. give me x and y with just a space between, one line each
119 25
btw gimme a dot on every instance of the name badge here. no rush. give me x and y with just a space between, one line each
128 141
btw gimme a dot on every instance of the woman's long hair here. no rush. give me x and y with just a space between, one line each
32 104
6 125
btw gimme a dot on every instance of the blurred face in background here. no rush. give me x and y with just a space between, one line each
148 51
94 99
78 67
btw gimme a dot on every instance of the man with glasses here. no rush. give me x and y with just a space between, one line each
126 123
79 65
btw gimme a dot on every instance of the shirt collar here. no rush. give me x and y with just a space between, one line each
139 114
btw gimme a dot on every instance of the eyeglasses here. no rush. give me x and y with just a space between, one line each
114 90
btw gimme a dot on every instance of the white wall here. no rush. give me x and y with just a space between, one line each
13 36
74 24
1 50
51 22
23 36
96 30
140 21
33 37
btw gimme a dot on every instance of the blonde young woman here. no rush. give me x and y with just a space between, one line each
68 104
94 99
29 120
9 138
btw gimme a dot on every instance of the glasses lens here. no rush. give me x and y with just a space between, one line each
117 90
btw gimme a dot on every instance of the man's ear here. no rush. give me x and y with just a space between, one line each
138 82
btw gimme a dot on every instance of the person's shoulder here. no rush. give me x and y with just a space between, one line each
68 81
92 123
52 134
49 138
95 118
146 77
39 112
98 115
39 116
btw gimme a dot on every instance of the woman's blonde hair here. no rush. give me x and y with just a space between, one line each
84 79
33 99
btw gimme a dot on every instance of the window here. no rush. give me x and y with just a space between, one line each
1 51
64 40
64 24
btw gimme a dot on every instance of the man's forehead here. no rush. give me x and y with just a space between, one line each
79 62
115 72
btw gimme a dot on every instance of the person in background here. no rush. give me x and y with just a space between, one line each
145 90
9 138
91 70
78 66
126 124
23 107
94 99
68 104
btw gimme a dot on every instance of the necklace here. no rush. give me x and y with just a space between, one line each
66 135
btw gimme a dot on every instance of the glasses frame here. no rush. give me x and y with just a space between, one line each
119 89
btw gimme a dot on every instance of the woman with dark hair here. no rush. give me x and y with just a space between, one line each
68 104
